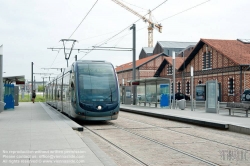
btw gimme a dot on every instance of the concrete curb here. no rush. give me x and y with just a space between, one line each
217 125
67 120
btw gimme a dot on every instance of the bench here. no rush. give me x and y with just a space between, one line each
241 107
155 103
145 102
140 101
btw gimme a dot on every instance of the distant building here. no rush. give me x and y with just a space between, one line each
167 47
146 52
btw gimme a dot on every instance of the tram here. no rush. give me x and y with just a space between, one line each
87 90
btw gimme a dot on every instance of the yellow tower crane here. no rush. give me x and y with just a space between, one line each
151 25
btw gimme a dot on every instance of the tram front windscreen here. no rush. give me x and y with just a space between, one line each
97 83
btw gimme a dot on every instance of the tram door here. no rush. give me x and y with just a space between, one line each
200 92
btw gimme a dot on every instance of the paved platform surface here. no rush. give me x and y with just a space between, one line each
34 134
237 123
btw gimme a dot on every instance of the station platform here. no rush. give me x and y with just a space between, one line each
236 123
35 134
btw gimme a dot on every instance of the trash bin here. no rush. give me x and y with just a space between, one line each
182 104
2 104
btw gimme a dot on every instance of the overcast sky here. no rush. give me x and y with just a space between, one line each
29 27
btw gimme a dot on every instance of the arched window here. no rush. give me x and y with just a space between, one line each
170 70
172 87
206 60
187 87
230 86
178 86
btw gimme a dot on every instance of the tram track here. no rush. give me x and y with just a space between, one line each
117 147
150 133
170 129
148 139
167 146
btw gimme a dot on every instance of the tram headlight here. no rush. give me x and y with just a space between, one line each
99 107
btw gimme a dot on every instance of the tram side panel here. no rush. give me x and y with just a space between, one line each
66 96
73 88
49 94
59 96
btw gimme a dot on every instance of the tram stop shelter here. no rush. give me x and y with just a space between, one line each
11 92
155 90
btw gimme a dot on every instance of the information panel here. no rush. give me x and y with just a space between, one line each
212 96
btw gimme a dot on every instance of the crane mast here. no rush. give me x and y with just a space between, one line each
151 24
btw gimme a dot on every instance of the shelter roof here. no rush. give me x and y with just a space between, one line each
16 79
151 79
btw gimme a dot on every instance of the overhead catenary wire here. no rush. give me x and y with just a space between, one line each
84 18
134 5
136 21
185 10
105 41
76 28
112 38
165 18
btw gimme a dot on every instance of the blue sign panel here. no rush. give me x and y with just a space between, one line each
164 89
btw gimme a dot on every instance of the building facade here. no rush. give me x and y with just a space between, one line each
227 61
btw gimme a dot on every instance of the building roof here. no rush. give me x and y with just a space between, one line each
148 50
174 44
140 62
178 61
187 48
235 50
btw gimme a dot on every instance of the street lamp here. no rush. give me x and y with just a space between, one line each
173 57
192 82
122 84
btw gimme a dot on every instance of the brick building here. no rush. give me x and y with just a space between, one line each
145 68
228 61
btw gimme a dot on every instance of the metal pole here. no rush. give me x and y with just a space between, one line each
134 65
240 81
192 82
34 83
173 57
43 87
183 74
31 77
1 73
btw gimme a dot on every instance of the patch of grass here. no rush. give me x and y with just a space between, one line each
27 98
